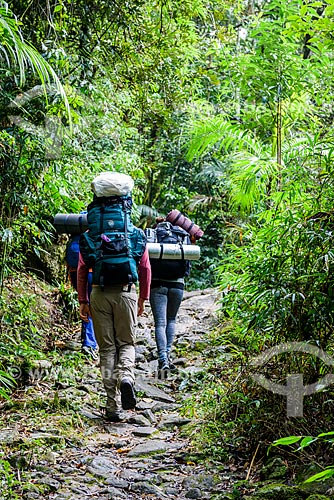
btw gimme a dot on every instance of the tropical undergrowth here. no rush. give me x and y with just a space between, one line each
234 416
275 321
39 355
45 381
35 318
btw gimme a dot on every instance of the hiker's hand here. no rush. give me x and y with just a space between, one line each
84 312
141 306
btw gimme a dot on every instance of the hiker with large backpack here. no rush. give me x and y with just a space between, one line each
88 340
167 287
116 251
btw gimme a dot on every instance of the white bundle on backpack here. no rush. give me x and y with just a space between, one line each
112 184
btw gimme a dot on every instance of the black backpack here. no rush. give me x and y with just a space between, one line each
169 269
112 246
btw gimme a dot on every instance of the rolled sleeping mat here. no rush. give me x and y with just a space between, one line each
70 223
176 218
173 251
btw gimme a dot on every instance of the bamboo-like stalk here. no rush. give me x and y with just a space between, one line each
279 135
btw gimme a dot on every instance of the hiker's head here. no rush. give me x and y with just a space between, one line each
160 219
112 184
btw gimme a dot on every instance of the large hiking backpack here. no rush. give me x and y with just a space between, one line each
169 269
112 246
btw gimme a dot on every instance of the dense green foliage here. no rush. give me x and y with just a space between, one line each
274 147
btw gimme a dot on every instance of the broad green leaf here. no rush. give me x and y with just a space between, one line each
324 434
287 440
306 441
321 476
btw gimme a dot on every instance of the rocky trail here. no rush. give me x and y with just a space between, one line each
56 444
146 456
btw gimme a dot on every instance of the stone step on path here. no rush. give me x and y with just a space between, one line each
144 457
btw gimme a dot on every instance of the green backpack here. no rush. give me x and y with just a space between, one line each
112 246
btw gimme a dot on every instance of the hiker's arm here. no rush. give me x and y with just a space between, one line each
141 306
144 274
84 312
82 283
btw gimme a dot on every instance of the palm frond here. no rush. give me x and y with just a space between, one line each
19 53
217 131
202 201
251 178
147 211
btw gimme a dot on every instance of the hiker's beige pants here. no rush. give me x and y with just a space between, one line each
114 313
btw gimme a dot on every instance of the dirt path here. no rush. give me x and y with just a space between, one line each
141 458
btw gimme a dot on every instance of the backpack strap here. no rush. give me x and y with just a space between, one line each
101 231
182 250
125 207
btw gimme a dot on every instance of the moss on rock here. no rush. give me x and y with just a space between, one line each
277 491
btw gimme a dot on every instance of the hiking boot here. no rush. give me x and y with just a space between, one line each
128 396
163 370
163 364
172 367
115 416
90 352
